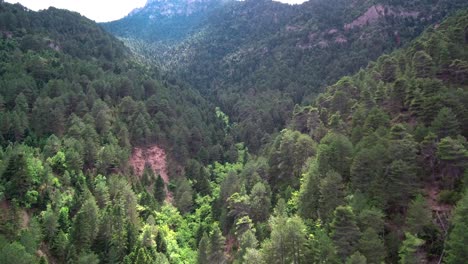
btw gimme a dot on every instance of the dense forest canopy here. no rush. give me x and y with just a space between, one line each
256 59
256 132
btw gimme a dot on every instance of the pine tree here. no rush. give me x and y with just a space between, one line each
409 248
457 251
216 247
321 247
50 223
401 182
17 176
287 243
416 103
86 223
357 258
419 216
309 193
423 65
345 232
372 246
389 68
367 168
445 124
159 189
143 256
15 253
260 202
331 194
335 153
183 196
247 240
161 245
203 247
453 157
398 93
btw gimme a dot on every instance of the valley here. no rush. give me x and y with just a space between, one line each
222 131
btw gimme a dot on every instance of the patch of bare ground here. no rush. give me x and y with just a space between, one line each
156 158
441 212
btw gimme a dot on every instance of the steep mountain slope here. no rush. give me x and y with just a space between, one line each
246 53
45 53
164 21
373 167
74 105
105 160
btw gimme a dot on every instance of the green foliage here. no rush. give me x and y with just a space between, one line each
408 251
21 175
289 152
335 153
345 233
203 250
332 194
216 247
309 193
357 258
456 243
15 253
75 104
322 247
287 241
86 224
265 66
419 216
159 189
445 124
372 246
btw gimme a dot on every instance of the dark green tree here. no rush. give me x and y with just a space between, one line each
216 247
345 233
357 258
372 246
409 248
332 194
203 253
85 224
457 251
423 64
445 124
159 189
309 193
335 153
418 216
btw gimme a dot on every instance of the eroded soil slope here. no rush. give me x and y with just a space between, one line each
156 158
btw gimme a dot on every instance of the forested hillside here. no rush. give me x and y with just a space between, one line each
106 158
256 59
73 106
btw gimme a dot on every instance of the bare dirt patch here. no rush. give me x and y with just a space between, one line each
156 158
377 11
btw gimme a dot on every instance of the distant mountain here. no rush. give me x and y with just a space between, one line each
280 53
164 20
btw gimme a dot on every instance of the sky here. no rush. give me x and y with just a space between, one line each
98 10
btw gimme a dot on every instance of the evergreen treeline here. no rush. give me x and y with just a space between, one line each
256 59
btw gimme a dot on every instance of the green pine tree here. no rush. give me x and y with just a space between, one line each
345 232
408 250
159 189
203 253
445 124
372 246
457 249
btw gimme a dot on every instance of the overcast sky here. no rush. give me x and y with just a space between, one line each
98 10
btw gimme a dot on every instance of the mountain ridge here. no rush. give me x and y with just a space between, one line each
253 47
